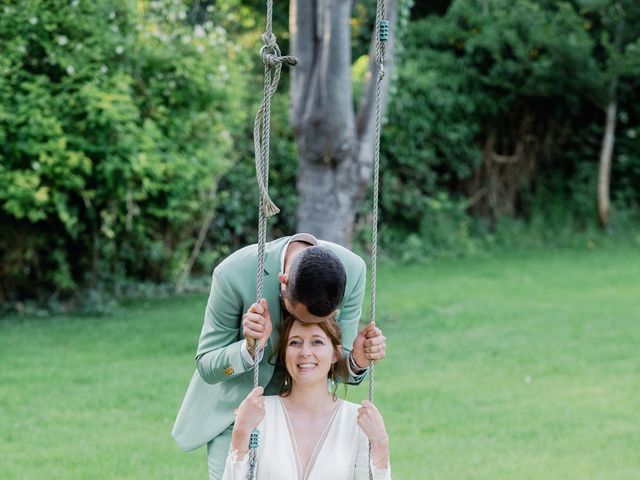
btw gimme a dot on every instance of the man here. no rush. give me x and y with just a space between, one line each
304 277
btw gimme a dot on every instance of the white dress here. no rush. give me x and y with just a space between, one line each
342 453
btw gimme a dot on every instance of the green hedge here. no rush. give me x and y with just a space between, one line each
115 126
542 68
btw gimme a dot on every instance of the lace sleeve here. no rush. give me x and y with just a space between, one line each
381 473
363 463
236 469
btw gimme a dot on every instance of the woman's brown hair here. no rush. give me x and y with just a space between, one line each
338 371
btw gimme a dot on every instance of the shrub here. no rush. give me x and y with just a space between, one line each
111 140
501 114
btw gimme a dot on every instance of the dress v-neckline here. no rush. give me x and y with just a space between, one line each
318 446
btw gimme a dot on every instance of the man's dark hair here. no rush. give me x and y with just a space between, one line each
316 278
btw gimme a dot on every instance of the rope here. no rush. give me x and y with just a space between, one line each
273 60
382 26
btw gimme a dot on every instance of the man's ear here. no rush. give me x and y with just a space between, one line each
283 278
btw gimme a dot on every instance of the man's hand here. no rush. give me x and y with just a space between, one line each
369 346
256 325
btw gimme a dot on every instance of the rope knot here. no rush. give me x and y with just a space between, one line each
268 39
271 54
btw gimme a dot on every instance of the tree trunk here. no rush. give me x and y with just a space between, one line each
608 139
604 172
331 172
485 7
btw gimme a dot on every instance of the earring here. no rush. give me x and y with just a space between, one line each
286 381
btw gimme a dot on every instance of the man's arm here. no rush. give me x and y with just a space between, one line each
348 320
368 345
219 349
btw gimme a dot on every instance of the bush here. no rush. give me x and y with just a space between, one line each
111 140
501 115
235 224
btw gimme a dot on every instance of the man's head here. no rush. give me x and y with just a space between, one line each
313 284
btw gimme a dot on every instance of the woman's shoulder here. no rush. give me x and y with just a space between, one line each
349 408
272 409
271 401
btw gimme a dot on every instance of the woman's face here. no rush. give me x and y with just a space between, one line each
309 354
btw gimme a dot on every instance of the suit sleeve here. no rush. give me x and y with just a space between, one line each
350 316
219 354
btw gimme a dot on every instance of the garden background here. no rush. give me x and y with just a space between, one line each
511 301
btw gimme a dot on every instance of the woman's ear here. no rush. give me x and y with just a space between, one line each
337 353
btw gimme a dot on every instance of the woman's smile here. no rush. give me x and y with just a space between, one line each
307 366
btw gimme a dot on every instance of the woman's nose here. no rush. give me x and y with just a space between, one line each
304 351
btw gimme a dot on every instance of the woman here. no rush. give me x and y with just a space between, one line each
306 433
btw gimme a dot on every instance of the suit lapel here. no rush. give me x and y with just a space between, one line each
273 252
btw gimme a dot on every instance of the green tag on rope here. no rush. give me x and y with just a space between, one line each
254 439
384 30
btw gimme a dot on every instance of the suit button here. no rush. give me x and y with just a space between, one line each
228 371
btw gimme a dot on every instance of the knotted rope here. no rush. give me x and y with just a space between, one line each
273 60
382 26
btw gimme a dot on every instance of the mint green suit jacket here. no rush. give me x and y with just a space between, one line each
222 379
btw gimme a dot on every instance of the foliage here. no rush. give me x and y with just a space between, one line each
113 134
478 94
236 214
236 218
123 123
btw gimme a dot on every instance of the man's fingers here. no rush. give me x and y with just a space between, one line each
366 329
254 318
254 323
375 352
373 331
265 306
375 346
375 349
372 342
254 327
257 308
253 332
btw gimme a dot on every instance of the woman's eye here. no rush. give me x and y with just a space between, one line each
318 342
294 343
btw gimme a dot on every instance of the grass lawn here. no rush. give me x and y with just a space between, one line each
518 366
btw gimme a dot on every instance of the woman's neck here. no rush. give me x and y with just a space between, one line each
309 398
